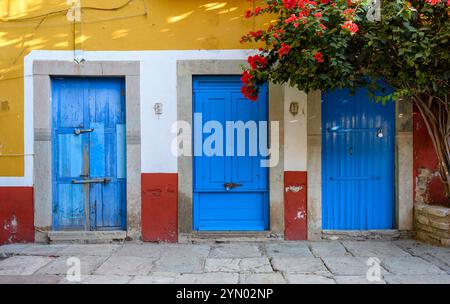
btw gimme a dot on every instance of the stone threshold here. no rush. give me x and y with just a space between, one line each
86 237
363 235
229 237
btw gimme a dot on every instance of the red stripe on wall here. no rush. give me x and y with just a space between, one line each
425 158
16 215
160 207
295 206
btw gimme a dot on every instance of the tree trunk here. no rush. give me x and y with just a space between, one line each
436 115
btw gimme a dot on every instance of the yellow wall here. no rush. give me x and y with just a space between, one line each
140 25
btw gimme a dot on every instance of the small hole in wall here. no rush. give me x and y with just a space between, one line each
4 106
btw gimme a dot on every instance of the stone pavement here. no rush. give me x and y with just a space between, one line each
327 262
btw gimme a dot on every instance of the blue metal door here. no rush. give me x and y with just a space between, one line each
88 148
245 204
358 137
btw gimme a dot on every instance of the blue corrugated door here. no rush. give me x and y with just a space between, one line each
88 147
358 137
216 208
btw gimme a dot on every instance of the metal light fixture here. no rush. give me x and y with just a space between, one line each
158 108
293 108
380 133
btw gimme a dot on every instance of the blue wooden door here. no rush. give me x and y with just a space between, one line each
89 165
218 207
357 162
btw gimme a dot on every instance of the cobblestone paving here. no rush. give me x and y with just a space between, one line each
327 262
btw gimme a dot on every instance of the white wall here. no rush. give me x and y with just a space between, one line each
295 136
158 85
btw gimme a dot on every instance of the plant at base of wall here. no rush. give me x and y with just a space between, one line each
331 44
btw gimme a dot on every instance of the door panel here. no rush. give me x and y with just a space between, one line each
246 206
358 165
88 145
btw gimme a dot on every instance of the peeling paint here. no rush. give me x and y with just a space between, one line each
301 215
294 189
10 224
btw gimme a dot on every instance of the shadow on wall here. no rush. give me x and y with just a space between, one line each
429 188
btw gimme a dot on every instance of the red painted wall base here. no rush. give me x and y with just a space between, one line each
16 215
295 206
425 157
160 207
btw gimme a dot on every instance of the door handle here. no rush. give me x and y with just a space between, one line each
229 186
91 181
81 131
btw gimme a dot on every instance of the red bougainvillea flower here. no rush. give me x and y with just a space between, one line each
291 19
433 2
248 13
249 92
348 12
290 4
284 49
248 89
318 15
351 26
257 61
318 57
257 10
246 77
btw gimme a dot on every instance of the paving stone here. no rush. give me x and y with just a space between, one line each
309 279
374 249
60 267
262 278
235 251
417 279
43 250
439 256
288 250
410 265
12 249
299 265
222 265
180 264
23 265
356 280
185 250
100 279
140 250
328 249
31 279
92 250
208 278
348 266
126 266
155 278
252 265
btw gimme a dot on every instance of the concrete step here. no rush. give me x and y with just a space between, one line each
87 237
362 235
229 237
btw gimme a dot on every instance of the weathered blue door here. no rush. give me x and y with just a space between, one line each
230 185
88 136
357 162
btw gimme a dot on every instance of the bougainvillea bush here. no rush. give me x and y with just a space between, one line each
330 44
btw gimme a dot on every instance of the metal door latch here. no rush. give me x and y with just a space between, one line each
92 181
229 186
81 131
